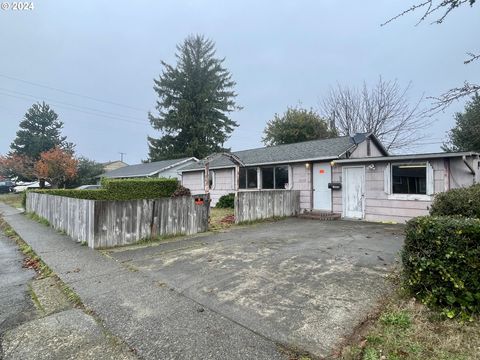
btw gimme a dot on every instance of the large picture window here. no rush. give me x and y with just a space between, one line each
248 178
275 177
409 178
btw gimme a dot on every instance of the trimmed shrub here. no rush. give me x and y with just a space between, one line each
441 260
463 202
122 189
181 191
226 201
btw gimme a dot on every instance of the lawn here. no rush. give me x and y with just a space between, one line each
14 200
406 329
221 218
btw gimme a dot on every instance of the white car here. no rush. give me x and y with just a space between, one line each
31 185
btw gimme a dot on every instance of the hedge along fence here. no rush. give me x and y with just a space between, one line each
104 224
122 189
441 262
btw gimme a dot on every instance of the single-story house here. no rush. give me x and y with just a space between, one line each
350 175
163 168
113 165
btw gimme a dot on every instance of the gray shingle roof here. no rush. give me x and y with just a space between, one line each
302 151
145 169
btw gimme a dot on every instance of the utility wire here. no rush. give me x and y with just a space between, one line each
82 111
73 105
72 93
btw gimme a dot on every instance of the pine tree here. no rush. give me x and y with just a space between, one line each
195 98
465 136
40 131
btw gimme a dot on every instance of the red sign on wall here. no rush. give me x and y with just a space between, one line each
322 171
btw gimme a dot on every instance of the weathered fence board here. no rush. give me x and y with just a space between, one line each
256 205
104 224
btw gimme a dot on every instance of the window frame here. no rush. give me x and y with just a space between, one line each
404 196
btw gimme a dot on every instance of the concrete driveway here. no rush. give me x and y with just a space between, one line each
302 283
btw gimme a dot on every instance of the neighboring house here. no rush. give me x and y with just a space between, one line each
164 168
113 165
353 176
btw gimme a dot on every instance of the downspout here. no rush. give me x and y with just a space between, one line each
464 158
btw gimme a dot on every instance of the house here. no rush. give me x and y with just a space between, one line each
164 168
352 176
113 165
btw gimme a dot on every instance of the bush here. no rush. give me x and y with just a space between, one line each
441 260
122 189
464 202
181 191
226 201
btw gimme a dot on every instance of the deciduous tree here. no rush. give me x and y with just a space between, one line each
17 166
440 10
56 166
296 125
195 97
384 110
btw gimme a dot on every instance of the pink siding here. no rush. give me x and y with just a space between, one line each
380 206
361 150
224 184
302 181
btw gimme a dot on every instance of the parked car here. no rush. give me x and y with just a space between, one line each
88 187
32 185
6 186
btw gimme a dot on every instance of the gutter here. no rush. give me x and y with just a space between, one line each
286 162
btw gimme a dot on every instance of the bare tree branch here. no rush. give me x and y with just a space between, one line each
432 7
446 99
473 57
383 110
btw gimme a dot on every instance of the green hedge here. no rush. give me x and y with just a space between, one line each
462 202
441 260
226 201
122 189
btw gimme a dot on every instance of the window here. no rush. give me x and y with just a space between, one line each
248 178
369 147
252 178
281 177
267 178
211 179
275 177
409 178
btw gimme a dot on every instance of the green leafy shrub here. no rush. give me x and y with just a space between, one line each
441 260
181 191
226 201
463 202
122 189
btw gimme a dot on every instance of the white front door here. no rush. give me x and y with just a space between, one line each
353 191
322 195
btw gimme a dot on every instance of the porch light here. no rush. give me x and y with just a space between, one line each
307 165
332 163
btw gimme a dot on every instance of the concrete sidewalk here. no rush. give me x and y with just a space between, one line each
154 320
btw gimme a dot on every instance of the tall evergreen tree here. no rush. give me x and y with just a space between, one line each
465 136
40 131
195 99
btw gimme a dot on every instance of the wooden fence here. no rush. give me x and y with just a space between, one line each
104 224
255 205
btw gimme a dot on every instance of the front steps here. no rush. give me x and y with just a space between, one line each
319 215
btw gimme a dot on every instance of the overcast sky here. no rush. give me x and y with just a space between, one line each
281 53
